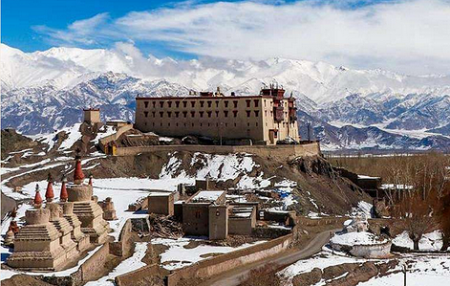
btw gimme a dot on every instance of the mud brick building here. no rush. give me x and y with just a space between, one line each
262 119
161 203
206 214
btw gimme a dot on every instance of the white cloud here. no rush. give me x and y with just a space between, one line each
83 32
405 36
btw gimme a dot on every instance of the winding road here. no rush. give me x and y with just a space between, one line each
236 276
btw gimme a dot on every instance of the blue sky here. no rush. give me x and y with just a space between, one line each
409 36
20 17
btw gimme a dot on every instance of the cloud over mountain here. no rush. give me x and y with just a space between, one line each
409 36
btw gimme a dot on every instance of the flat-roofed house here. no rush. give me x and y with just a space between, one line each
206 214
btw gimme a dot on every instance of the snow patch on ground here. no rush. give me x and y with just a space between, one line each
177 256
429 242
357 238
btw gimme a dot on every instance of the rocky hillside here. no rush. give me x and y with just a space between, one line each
311 184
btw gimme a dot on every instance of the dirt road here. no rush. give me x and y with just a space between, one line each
286 258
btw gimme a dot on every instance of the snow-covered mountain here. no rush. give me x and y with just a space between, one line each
42 91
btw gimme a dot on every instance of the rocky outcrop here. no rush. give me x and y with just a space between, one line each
306 279
347 274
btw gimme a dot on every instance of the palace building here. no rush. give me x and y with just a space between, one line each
262 119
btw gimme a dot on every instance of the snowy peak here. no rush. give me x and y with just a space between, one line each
321 82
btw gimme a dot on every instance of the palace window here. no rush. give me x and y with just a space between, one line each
248 102
217 103
192 113
256 124
201 113
161 114
177 103
256 102
235 102
161 104
184 114
256 113
202 103
169 114
146 104
226 113
153 114
146 113
193 103
226 103
217 113
209 113
235 113
209 103
177 114
248 113
169 103
184 103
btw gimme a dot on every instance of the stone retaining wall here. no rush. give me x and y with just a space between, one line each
140 276
92 268
114 137
372 251
214 266
277 152
124 245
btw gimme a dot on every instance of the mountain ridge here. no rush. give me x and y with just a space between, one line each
365 111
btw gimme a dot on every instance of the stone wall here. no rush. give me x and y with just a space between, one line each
240 225
214 266
160 204
372 251
115 136
93 267
278 152
141 276
124 246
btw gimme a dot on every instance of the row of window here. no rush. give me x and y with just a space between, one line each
201 124
202 114
202 103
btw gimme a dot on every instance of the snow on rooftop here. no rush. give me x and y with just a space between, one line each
160 194
364 177
207 196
